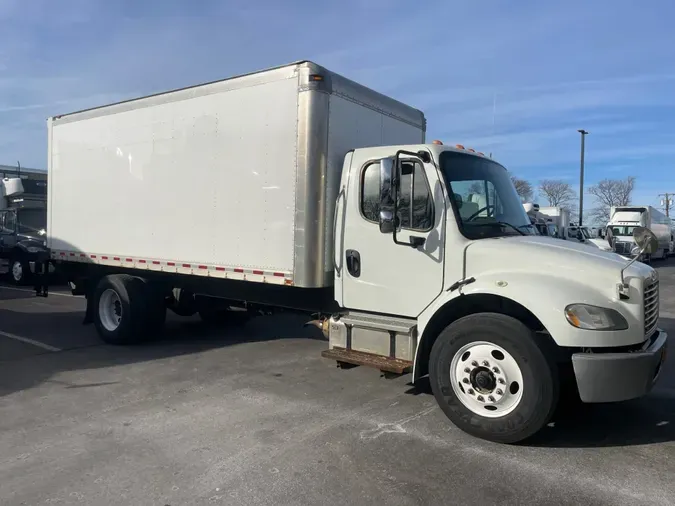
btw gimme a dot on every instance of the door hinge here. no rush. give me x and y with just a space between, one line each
460 283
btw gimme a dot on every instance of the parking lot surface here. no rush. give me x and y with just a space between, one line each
254 416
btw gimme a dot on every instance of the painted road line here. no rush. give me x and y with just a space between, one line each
29 341
27 290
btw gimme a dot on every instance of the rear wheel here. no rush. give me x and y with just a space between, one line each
492 379
126 310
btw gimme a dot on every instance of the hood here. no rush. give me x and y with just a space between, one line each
555 257
596 242
32 240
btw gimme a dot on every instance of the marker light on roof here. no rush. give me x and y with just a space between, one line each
459 146
437 142
472 150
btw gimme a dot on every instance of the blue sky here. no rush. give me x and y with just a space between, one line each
515 78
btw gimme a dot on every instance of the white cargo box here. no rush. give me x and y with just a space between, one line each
236 178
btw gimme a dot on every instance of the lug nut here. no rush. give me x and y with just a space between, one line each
465 381
470 391
501 381
499 392
467 370
481 399
495 370
474 363
486 363
491 399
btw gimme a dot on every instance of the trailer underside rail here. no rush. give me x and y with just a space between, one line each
385 364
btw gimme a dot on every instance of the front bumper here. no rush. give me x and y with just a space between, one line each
614 377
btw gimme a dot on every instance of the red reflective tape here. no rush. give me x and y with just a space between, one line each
203 267
141 261
187 265
171 264
220 268
72 254
129 260
82 255
116 258
238 270
258 272
93 256
104 258
279 274
63 253
155 262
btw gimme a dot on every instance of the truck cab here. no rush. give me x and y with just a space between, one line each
23 223
464 290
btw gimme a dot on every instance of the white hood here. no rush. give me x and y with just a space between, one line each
555 257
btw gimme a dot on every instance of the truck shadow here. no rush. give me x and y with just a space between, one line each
24 366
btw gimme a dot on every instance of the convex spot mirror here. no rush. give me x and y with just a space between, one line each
645 240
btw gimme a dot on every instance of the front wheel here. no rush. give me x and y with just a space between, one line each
492 379
19 271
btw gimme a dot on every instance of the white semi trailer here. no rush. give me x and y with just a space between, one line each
297 189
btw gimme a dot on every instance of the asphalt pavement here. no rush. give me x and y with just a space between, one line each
254 416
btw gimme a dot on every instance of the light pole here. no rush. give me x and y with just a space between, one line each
583 133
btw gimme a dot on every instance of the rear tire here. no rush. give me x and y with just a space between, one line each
513 390
126 310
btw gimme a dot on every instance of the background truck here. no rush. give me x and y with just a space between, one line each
297 189
624 219
23 222
557 220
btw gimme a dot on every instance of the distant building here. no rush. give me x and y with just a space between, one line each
34 180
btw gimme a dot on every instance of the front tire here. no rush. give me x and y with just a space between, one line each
19 271
492 379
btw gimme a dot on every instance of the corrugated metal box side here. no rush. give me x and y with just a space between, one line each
203 178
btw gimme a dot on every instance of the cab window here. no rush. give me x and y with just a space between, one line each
415 205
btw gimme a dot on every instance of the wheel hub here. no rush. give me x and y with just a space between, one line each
483 380
486 379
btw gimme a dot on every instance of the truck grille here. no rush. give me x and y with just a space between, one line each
651 305
622 247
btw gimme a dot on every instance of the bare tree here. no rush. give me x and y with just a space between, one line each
558 193
609 193
524 188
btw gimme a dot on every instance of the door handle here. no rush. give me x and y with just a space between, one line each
353 262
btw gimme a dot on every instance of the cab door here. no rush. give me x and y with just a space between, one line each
379 275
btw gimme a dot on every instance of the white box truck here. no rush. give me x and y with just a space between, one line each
297 189
624 219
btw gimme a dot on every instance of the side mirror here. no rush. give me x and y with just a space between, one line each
580 235
645 240
609 235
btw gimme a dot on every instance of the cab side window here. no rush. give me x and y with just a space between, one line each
415 205
7 222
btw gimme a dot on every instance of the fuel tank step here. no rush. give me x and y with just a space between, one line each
385 364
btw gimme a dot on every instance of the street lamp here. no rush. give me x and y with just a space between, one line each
583 133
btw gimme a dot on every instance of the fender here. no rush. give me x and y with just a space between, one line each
539 297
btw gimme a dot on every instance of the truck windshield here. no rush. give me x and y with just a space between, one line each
623 231
31 221
485 196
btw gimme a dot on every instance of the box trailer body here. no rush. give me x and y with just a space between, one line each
295 188
235 179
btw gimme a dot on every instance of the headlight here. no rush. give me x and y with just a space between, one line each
583 316
34 249
635 250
